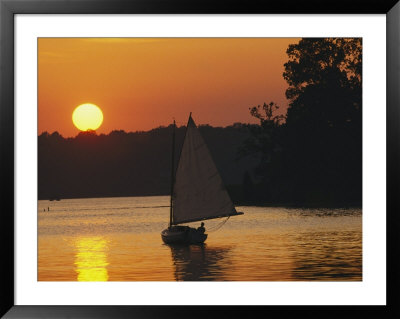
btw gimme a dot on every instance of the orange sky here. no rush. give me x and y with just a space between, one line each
142 83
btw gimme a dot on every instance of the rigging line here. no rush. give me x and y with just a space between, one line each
218 226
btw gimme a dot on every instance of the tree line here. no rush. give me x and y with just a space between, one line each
131 163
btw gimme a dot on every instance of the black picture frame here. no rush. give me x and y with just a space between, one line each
8 8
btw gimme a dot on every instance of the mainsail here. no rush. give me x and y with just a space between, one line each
198 192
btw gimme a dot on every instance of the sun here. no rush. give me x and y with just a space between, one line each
87 116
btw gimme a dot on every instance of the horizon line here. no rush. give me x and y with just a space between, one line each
143 131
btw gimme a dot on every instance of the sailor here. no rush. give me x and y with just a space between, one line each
201 228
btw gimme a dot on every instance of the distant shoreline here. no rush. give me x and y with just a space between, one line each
237 202
288 205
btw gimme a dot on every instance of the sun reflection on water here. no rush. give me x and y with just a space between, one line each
91 259
109 239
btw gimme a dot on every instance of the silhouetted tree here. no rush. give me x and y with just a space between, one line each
324 77
314 155
324 119
263 138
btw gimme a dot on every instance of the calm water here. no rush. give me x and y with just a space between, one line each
118 239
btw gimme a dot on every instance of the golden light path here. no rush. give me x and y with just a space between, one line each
87 116
91 259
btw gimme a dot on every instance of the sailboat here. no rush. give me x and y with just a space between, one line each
197 190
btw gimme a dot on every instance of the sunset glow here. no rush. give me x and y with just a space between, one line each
142 83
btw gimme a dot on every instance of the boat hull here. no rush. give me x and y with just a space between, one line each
182 235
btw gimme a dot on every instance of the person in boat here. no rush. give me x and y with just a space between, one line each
201 228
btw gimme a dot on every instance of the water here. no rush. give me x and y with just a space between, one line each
118 239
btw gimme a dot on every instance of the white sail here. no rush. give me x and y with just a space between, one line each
199 192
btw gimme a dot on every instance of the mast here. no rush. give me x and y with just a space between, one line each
172 174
